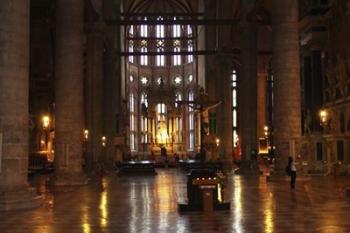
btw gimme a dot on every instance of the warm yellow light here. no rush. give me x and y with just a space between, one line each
86 134
219 193
217 142
238 203
162 134
266 128
104 141
46 121
103 209
42 142
323 116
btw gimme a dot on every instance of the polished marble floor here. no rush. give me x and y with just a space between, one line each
149 204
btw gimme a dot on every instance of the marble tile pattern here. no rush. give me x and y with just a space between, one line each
144 204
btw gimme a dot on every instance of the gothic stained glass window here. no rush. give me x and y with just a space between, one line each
234 107
191 126
132 121
144 118
144 56
131 50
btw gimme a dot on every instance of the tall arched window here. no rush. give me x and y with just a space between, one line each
131 50
144 58
189 43
191 129
132 121
177 44
144 119
178 120
131 30
177 57
178 97
144 29
234 108
160 33
131 43
144 34
189 49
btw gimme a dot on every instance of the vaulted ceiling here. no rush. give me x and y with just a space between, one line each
161 6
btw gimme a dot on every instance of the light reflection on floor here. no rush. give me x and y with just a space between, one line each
237 208
149 204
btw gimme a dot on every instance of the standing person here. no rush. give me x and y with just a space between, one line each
164 155
293 172
253 159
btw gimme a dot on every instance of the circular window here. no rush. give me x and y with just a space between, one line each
144 80
177 80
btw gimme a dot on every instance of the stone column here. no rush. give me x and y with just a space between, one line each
224 110
69 93
113 107
261 104
247 86
94 95
14 87
348 15
286 72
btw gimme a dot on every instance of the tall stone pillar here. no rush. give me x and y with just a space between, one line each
247 86
14 79
286 72
113 109
69 93
261 105
224 110
94 95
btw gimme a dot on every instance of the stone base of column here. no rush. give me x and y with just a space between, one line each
70 179
247 169
23 199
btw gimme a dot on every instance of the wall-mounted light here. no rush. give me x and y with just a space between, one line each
266 130
217 142
45 121
323 117
104 141
86 134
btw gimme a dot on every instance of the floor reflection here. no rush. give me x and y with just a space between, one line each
238 205
149 204
133 215
163 195
85 220
103 207
269 214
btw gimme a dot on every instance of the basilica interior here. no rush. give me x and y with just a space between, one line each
111 104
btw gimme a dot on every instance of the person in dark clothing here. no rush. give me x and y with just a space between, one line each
293 172
164 155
